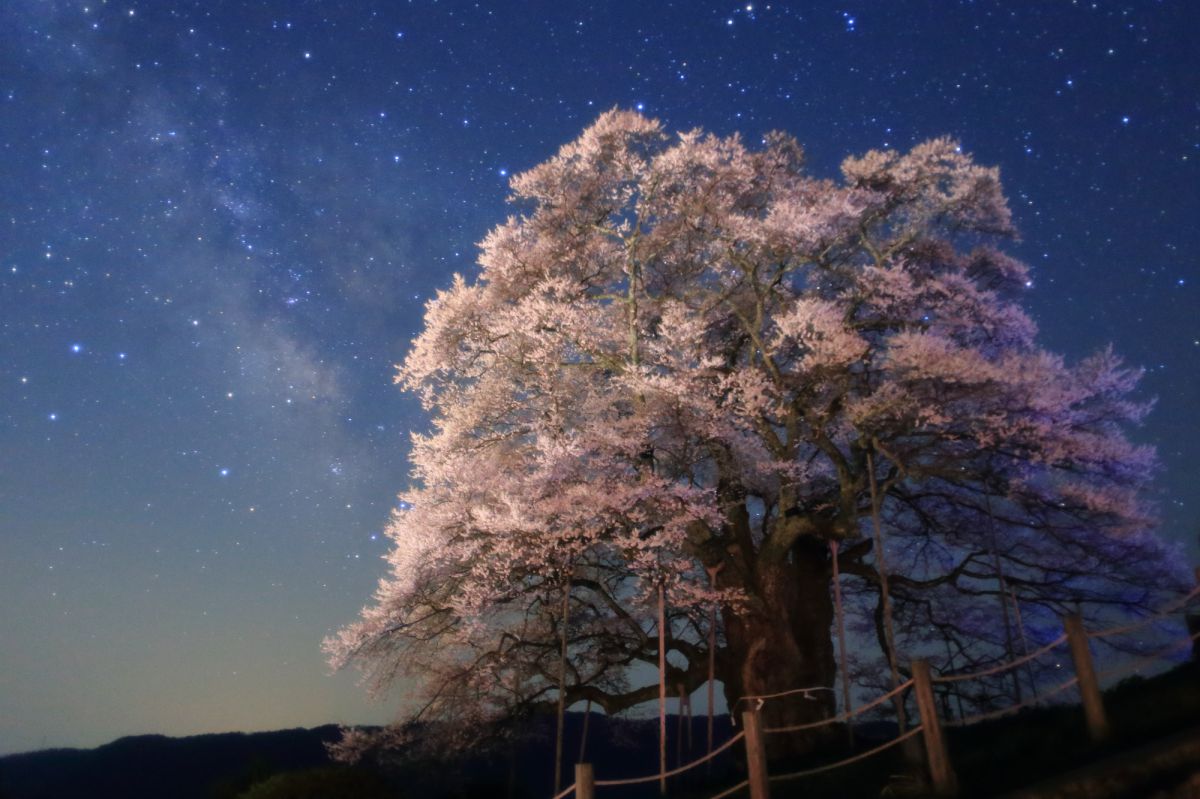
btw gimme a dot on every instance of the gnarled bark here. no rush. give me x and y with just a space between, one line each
781 640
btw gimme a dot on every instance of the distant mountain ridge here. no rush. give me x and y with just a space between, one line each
157 766
225 765
992 758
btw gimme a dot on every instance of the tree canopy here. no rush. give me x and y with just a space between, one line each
688 362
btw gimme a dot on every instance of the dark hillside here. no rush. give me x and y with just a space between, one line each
155 766
991 758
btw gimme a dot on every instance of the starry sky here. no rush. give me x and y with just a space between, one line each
219 222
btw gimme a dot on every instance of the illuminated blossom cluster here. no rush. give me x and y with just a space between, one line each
685 355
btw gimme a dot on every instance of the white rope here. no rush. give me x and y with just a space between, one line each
995 714
806 691
565 792
849 760
1003 667
1142 661
1166 610
675 771
733 790
842 716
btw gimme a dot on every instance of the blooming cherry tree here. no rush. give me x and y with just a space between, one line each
685 357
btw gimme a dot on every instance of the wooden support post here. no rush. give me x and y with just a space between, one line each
662 690
712 657
1016 603
712 669
756 755
585 781
562 688
945 783
679 725
843 663
687 703
1089 686
587 717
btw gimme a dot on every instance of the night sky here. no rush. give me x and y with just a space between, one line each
219 223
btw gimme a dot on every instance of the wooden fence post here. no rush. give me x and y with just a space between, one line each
1089 686
585 781
842 666
662 690
756 755
945 782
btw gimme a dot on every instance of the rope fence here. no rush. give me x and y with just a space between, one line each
967 721
660 776
1160 614
731 791
1086 678
843 716
675 771
1146 660
922 683
860 756
1003 667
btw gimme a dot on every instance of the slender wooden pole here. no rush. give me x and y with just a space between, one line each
562 689
945 783
889 633
1010 648
843 665
1089 686
712 668
587 717
679 724
953 686
1016 603
712 657
756 755
1002 584
585 781
687 703
662 689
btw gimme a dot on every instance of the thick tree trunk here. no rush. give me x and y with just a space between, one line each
783 641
